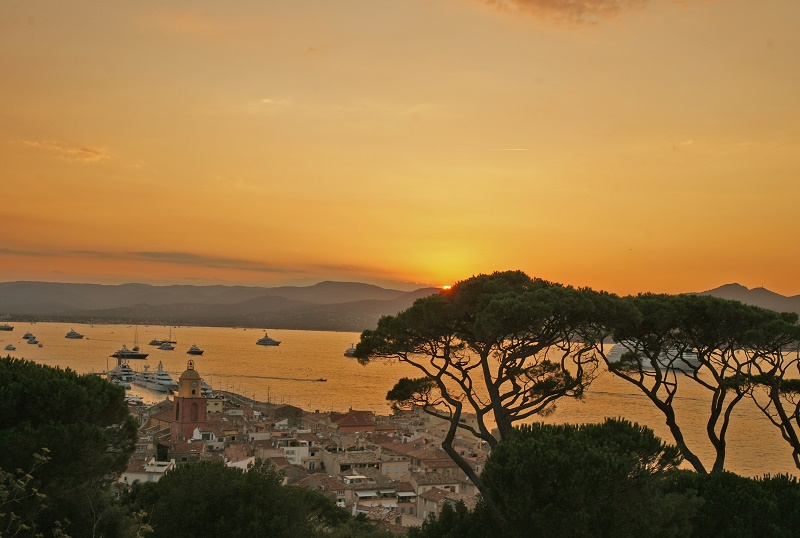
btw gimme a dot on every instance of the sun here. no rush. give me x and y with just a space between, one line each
446 287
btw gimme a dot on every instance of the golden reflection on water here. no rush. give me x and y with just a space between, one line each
290 373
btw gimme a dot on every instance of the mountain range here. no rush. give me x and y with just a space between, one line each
327 306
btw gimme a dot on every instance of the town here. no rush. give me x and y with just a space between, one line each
391 468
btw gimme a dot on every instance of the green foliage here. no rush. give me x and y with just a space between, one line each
211 499
740 507
82 422
458 522
589 480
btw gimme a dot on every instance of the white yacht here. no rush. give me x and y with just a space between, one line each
166 346
27 336
6 327
122 372
11 347
267 341
351 351
159 380
32 340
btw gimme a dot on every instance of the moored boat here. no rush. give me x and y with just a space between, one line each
11 347
32 340
194 350
351 351
6 327
126 353
73 335
159 380
27 336
166 346
267 341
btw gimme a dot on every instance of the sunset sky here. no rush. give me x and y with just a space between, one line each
626 145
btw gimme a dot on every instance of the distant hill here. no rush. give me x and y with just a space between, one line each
327 306
757 297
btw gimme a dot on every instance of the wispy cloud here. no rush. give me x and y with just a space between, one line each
187 258
69 151
572 11
175 258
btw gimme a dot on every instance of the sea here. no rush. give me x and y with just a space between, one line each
309 370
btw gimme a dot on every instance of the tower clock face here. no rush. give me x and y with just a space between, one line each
194 383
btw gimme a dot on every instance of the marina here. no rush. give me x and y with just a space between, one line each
292 373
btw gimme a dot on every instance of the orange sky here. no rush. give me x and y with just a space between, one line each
627 145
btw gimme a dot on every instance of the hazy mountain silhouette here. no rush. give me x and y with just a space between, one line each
338 306
757 297
327 306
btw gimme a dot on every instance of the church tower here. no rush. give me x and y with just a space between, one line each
189 405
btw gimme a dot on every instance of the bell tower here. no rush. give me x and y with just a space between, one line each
189 405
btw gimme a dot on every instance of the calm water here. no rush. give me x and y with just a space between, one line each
289 373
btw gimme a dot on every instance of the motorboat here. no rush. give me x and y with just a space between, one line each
194 350
267 341
159 380
32 340
27 336
6 327
73 335
166 346
11 347
351 351
126 353
155 342
134 400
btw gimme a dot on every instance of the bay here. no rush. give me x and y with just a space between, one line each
291 373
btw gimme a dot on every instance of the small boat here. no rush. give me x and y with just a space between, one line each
126 353
205 389
155 342
40 344
134 400
351 351
32 340
194 350
27 336
6 327
321 380
11 347
166 346
267 341
74 335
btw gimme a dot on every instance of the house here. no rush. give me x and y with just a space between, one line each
143 469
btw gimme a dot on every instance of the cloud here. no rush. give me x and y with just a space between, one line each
573 11
68 151
178 258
